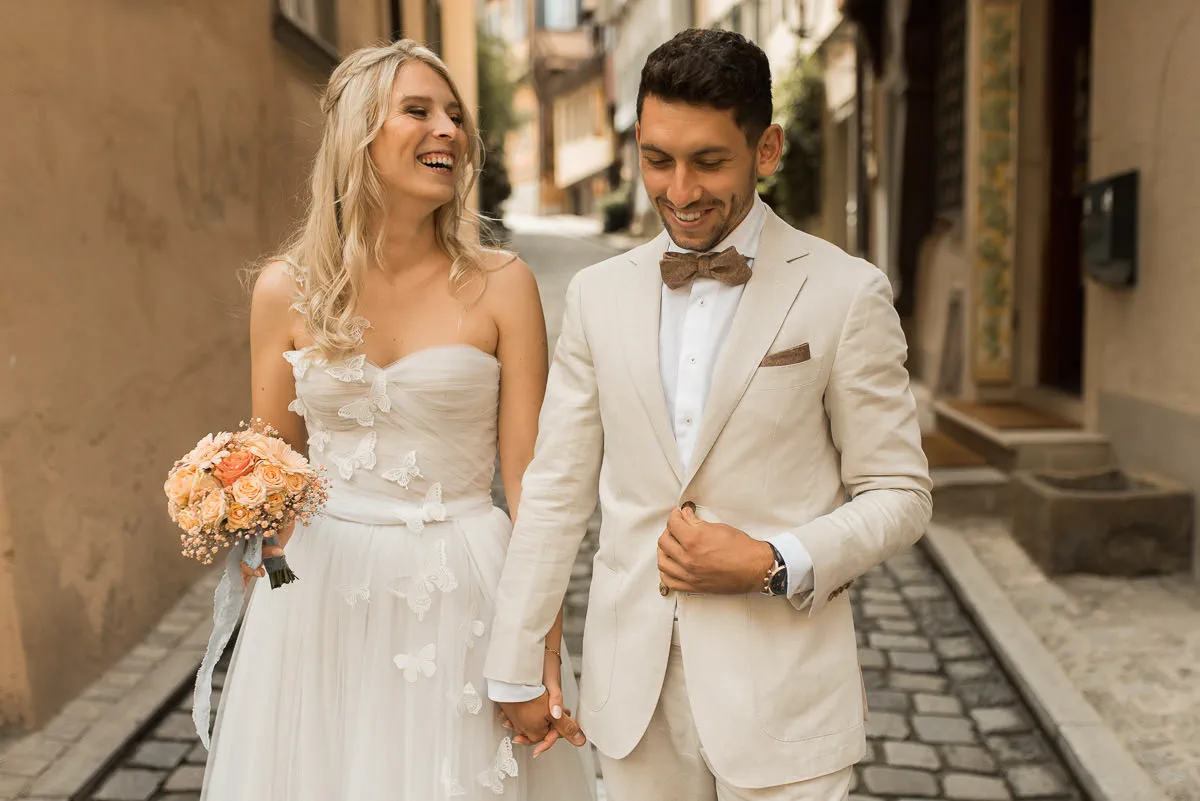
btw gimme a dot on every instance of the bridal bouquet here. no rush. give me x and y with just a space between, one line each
242 487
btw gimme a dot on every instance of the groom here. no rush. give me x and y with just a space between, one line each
734 393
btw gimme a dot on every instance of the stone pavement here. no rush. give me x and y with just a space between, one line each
944 720
1131 646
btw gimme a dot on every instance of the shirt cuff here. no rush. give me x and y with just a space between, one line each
799 563
504 693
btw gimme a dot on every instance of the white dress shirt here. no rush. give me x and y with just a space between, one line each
694 323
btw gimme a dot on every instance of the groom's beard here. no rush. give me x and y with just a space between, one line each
725 225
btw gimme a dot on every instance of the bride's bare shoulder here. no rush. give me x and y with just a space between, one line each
276 286
508 276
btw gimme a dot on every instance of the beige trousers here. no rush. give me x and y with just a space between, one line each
669 763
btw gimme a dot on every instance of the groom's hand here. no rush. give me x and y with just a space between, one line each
534 724
530 719
694 556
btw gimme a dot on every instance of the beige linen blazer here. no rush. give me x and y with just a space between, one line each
823 442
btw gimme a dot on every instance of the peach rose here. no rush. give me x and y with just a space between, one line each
238 516
212 508
271 475
205 484
274 504
296 482
249 490
234 466
180 485
187 519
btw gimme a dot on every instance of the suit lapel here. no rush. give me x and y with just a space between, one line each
764 305
641 309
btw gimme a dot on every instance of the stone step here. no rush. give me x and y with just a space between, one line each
1025 449
970 491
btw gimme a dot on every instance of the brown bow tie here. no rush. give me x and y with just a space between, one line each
729 267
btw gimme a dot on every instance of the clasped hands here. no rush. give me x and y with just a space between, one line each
544 720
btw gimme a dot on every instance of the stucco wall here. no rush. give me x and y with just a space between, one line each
1145 342
149 151
1142 351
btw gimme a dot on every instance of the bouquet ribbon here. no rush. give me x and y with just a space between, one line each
227 604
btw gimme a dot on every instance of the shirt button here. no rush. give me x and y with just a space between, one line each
702 301
691 359
687 421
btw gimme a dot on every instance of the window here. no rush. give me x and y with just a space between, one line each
309 27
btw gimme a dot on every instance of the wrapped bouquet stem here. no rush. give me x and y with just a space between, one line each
239 491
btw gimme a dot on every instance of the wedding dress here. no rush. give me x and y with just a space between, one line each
363 681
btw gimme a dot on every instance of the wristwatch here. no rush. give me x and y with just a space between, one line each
775 582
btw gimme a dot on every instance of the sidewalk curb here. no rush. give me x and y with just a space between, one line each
1104 768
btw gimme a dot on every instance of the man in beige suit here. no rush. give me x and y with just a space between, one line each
754 376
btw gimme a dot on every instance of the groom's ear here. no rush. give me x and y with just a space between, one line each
637 131
769 151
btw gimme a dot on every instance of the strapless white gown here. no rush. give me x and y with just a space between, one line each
363 681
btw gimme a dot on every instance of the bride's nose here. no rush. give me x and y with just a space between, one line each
444 128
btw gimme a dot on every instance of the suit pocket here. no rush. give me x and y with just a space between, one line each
805 671
783 358
789 376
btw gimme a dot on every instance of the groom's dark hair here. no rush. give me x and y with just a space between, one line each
720 69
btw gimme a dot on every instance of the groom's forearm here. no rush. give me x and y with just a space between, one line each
558 495
506 693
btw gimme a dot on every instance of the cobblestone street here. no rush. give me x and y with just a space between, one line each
944 721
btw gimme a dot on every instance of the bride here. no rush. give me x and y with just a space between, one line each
401 355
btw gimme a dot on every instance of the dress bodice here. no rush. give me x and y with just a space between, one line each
419 432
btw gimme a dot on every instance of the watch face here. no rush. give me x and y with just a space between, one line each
779 583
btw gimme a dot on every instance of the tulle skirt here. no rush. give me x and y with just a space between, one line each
363 681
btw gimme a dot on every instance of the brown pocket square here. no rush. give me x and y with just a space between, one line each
795 355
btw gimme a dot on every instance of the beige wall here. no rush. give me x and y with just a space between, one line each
145 162
1145 342
1142 345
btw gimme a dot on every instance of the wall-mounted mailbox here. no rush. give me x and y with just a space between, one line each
1110 213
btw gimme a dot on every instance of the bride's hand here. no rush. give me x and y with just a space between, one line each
268 551
552 679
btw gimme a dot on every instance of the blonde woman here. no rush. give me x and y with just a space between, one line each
402 357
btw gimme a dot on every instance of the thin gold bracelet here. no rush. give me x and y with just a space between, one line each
556 653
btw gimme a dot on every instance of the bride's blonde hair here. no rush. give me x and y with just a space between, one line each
328 255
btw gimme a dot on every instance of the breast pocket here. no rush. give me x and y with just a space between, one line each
789 376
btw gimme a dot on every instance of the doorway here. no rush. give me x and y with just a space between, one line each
1068 107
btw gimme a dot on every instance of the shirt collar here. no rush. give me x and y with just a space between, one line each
744 238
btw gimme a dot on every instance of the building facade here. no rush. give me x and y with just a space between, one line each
997 116
145 164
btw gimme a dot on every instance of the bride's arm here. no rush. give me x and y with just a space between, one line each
272 325
524 362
